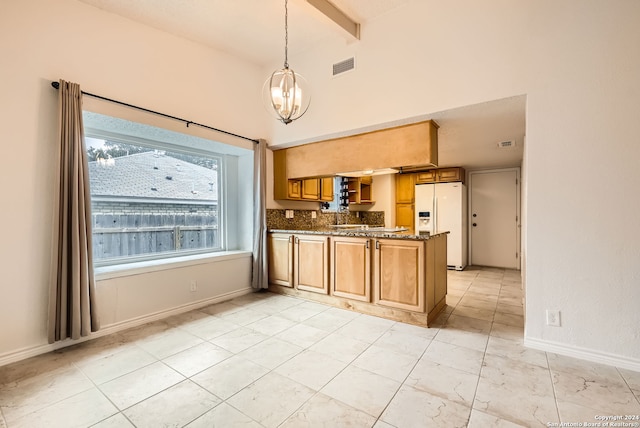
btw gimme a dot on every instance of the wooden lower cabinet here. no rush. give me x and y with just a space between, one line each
436 273
399 274
351 268
280 247
400 279
311 263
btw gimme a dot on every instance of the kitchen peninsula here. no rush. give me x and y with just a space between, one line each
372 270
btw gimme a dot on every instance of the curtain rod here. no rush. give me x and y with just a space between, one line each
188 122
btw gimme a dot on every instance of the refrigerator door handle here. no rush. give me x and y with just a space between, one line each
435 215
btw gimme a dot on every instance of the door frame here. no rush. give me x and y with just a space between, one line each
470 175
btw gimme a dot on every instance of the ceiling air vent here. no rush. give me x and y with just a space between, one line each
506 144
344 66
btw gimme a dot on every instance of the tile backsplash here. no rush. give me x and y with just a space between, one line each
276 219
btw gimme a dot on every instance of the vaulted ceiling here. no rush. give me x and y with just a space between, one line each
253 30
250 29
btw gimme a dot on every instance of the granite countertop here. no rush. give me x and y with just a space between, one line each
371 232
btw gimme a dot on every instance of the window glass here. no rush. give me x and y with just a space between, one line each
149 202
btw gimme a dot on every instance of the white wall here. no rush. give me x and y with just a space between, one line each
140 293
46 40
578 62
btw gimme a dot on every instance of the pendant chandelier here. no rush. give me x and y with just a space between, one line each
285 92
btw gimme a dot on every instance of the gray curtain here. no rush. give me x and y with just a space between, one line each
72 293
259 277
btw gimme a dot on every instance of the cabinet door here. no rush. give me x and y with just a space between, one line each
426 177
450 174
280 247
398 276
405 216
311 263
326 189
405 188
351 268
311 189
294 190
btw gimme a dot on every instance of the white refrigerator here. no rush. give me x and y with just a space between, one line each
442 207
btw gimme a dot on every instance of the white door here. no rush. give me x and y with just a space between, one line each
494 218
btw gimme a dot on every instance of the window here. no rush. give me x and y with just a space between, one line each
152 197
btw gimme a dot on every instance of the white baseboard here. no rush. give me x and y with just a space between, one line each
584 354
32 351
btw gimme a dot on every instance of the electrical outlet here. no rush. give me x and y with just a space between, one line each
193 285
291 213
553 318
313 214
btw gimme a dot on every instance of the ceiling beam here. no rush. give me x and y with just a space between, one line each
337 16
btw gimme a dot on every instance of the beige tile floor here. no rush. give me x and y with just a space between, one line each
265 360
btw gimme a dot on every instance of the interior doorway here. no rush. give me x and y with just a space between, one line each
494 218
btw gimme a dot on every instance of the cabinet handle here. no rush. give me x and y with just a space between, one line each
297 240
291 239
367 246
377 245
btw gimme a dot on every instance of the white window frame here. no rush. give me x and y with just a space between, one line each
170 256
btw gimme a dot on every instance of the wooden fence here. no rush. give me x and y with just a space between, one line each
139 234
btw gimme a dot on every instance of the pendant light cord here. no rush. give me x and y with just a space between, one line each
286 34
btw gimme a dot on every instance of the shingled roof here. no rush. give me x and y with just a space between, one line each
153 175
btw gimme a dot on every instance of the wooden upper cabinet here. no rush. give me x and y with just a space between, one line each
414 144
440 175
426 176
311 189
399 274
405 188
450 174
360 190
326 189
283 188
294 189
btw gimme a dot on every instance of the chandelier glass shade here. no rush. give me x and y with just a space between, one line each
286 95
285 92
